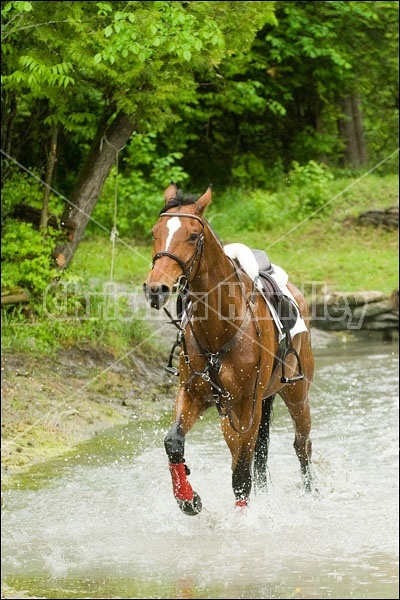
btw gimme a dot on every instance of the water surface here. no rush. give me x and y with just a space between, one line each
103 522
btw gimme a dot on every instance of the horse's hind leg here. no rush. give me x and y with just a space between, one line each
296 400
295 397
262 445
186 414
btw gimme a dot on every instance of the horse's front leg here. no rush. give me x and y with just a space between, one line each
242 451
187 412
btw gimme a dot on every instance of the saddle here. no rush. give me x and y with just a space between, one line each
286 310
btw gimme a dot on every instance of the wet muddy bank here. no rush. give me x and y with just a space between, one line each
51 404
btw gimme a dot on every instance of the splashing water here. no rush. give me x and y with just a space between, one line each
104 524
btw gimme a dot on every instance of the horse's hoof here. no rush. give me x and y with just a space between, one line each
242 504
307 485
311 488
191 507
309 482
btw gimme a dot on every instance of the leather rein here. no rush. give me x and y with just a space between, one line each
210 373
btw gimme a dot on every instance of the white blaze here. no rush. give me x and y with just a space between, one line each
173 225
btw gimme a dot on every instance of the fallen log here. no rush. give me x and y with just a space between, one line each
388 218
30 214
16 295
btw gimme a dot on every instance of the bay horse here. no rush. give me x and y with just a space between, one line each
230 350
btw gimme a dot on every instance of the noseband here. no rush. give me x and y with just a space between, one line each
197 253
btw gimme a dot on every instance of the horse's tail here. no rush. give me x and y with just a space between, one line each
262 445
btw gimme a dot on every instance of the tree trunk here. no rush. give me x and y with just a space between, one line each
102 155
51 162
319 127
352 132
8 116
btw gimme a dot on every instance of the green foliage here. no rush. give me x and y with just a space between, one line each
26 188
281 102
302 194
310 184
88 49
249 211
26 252
26 258
19 187
234 99
249 171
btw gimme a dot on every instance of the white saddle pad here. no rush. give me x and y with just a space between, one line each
245 257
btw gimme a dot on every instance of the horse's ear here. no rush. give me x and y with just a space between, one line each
204 200
170 192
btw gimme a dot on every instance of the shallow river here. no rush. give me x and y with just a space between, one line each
102 523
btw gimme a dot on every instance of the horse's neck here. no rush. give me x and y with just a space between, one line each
218 295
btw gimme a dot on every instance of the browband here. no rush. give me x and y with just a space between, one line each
175 214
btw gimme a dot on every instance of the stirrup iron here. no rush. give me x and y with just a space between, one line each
300 375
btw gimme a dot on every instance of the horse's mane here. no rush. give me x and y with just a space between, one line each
179 200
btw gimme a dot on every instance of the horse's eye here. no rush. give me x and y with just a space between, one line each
193 237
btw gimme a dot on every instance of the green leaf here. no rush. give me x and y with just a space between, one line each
23 6
104 8
108 31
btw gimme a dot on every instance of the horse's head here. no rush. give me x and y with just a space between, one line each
178 242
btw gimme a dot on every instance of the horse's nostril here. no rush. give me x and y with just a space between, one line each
164 290
157 294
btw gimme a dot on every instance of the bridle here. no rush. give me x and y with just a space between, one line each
187 270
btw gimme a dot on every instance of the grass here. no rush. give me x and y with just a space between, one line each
328 248
344 258
94 260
